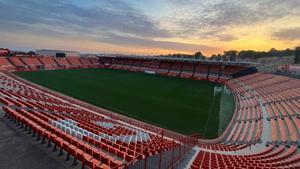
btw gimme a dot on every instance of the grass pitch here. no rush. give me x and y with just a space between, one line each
182 105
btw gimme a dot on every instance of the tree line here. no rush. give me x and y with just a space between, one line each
233 54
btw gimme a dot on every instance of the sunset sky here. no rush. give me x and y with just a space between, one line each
149 26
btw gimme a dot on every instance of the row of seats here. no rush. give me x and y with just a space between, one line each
174 68
193 70
249 113
246 127
98 141
270 158
278 96
224 146
281 98
5 64
245 132
35 63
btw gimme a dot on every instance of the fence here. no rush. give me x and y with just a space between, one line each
164 159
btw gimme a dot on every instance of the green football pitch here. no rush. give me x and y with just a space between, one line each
181 105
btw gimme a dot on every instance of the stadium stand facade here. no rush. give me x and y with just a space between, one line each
193 69
184 68
263 133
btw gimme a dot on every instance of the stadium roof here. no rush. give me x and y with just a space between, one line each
241 63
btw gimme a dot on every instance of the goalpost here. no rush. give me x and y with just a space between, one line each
226 90
218 89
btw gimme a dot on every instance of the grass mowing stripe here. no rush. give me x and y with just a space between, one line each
181 105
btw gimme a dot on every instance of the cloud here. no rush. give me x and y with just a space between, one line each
226 37
124 23
289 34
106 16
110 22
142 42
200 18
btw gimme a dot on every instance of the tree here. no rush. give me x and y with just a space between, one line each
272 50
198 55
231 55
247 54
31 53
213 57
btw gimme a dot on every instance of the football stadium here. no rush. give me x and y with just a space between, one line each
149 85
143 112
